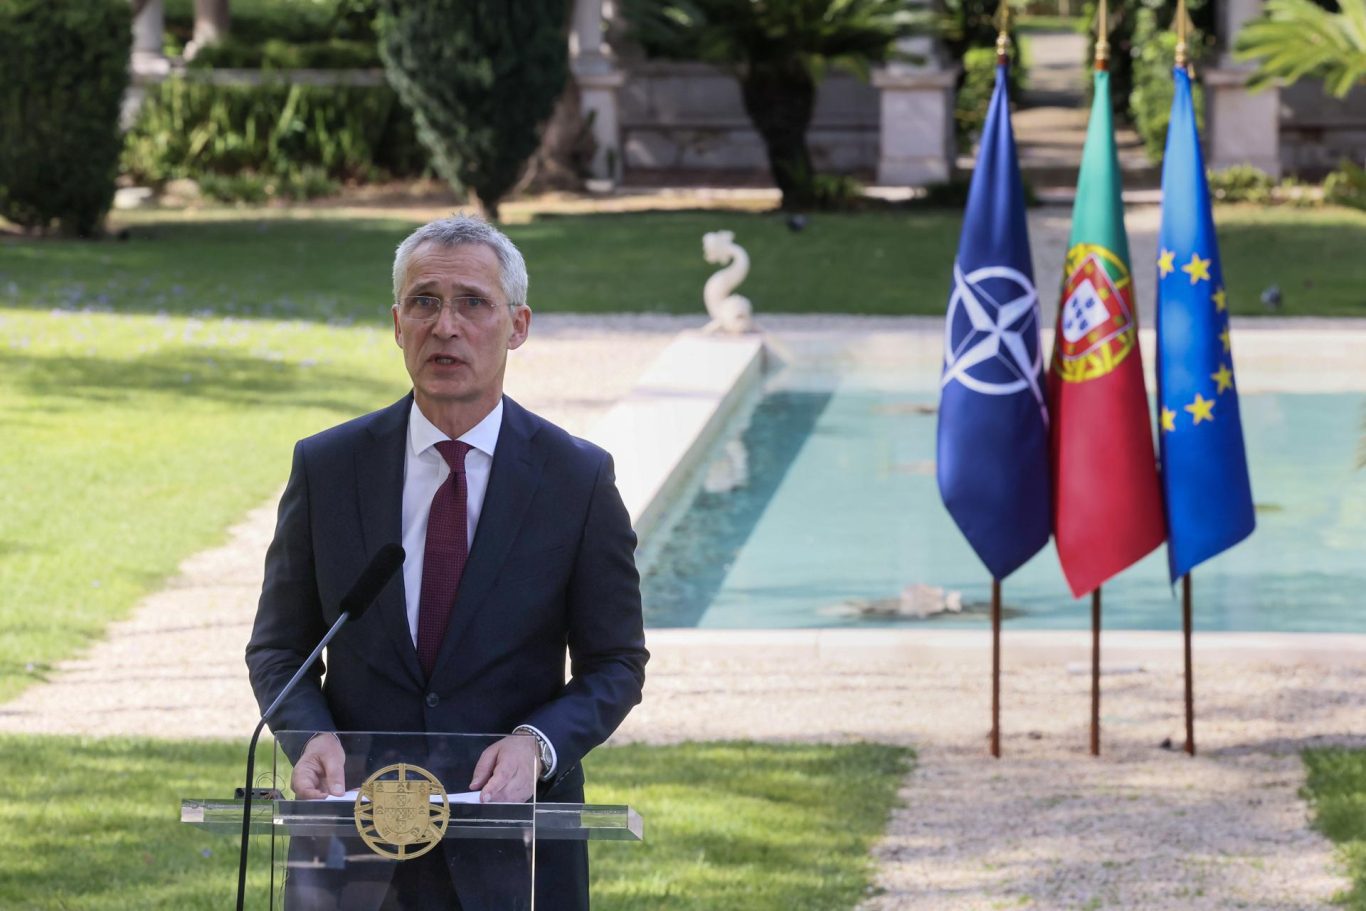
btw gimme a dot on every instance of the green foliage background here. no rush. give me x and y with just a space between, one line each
480 77
63 72
191 129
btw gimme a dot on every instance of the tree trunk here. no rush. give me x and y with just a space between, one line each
210 21
779 99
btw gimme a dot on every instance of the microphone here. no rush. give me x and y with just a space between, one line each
372 580
355 602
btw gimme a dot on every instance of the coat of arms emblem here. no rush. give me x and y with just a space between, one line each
402 811
1096 325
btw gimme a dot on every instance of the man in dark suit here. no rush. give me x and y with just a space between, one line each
517 547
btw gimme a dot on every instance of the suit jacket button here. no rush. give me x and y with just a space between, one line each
433 700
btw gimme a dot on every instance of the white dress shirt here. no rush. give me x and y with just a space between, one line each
424 470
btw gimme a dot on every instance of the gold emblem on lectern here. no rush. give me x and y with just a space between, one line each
402 811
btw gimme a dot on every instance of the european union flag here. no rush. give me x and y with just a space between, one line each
993 417
1205 484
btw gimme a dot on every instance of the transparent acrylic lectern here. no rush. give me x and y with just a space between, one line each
408 833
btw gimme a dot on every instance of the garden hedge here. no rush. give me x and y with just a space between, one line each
63 73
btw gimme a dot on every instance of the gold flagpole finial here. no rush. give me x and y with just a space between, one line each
1002 33
1102 38
1181 35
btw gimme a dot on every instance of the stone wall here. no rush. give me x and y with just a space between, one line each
678 117
1317 130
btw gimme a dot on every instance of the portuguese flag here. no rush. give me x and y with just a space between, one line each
1107 504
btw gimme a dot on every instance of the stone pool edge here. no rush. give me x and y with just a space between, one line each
702 379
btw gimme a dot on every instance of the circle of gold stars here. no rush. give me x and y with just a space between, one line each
1200 408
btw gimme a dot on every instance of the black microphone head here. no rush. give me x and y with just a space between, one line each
372 580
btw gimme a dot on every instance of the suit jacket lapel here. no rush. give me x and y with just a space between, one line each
379 491
512 482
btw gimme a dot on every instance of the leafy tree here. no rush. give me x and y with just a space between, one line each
480 77
1298 39
778 50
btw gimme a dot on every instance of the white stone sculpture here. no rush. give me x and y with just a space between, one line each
729 470
729 312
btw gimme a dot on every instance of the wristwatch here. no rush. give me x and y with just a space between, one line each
542 747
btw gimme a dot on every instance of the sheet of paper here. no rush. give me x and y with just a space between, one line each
459 797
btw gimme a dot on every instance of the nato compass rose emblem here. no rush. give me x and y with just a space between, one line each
991 336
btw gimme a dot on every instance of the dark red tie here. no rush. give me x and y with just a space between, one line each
443 561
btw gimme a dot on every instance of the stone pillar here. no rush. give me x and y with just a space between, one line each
211 23
1243 127
915 144
598 80
148 31
148 64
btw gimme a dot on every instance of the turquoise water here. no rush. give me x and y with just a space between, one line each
840 512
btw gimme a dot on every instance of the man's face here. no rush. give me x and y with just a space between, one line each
457 360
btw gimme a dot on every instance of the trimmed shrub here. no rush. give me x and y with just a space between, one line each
1346 187
974 95
274 54
1241 183
306 183
63 72
194 129
480 78
1150 102
1128 41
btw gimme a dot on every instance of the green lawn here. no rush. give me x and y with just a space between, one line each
130 442
1313 255
324 268
92 825
1335 787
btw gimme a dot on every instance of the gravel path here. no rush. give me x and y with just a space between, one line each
174 668
1048 826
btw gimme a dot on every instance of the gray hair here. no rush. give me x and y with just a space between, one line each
466 229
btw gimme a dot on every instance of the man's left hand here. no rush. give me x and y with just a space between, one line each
507 771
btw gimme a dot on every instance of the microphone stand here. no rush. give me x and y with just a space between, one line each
251 750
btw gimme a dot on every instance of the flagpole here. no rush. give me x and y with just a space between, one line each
1002 59
1190 676
1095 663
996 668
1003 34
1102 63
1186 612
1182 48
1102 39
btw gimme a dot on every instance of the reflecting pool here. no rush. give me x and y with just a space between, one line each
823 511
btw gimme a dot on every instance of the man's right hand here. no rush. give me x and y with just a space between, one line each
320 771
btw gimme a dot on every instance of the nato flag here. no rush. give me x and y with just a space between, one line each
1204 467
993 418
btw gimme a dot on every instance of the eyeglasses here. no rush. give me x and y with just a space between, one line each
425 308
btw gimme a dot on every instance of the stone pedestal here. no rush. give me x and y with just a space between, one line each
1243 127
149 27
915 145
148 64
598 85
598 81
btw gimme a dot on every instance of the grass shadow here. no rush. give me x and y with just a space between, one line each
203 373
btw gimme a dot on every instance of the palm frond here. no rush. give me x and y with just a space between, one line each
1296 39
